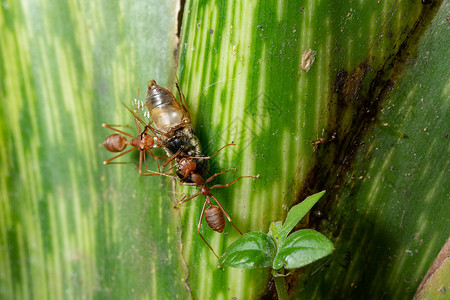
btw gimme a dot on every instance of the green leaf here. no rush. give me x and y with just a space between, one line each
296 214
437 286
301 248
392 217
252 250
70 227
437 280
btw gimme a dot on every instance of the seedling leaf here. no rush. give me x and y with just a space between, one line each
274 228
296 214
301 248
252 250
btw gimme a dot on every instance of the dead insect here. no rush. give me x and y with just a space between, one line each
173 125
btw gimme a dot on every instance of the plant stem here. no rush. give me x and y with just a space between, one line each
280 285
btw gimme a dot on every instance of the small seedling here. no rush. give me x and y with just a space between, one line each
278 249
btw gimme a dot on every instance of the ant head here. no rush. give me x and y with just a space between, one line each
198 179
151 84
115 143
186 166
146 142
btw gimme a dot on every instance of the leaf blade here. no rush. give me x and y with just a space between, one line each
250 251
302 248
296 213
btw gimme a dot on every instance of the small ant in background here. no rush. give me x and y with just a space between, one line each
321 140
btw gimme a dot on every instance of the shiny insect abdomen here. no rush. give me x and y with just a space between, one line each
164 109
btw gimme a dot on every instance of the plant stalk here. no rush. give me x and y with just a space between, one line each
280 285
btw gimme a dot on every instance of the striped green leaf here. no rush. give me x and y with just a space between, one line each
240 66
73 228
391 217
70 227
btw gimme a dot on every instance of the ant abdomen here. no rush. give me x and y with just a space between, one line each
215 219
115 143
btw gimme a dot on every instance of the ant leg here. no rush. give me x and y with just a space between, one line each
138 126
145 161
200 225
313 144
183 101
154 130
187 199
134 113
157 158
152 173
217 174
106 162
117 130
173 156
231 144
223 210
208 157
217 186
188 183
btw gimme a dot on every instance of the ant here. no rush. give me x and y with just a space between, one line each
144 142
318 141
214 215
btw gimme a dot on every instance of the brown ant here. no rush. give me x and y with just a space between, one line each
143 142
214 215
318 141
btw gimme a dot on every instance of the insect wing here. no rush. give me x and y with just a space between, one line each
138 109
